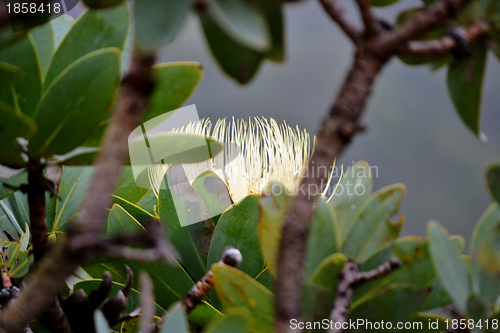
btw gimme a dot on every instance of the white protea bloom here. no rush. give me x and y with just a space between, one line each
267 153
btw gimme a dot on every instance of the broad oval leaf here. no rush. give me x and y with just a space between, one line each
234 322
8 75
157 27
214 193
76 102
175 82
120 221
323 239
176 321
13 125
465 85
448 264
28 90
352 192
186 221
395 303
273 208
44 40
237 60
243 21
493 180
236 289
108 28
374 226
237 227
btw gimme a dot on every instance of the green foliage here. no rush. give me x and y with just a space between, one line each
465 82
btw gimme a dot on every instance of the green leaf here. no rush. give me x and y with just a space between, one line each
8 75
127 188
101 324
75 104
175 82
237 60
61 26
28 90
416 266
15 182
120 221
273 13
80 156
237 227
353 191
242 21
214 193
136 212
323 239
236 289
465 83
14 125
203 314
438 297
373 226
485 283
321 289
73 190
327 274
176 321
273 210
396 303
451 269
157 27
476 310
235 322
179 205
43 37
133 325
493 180
133 298
108 28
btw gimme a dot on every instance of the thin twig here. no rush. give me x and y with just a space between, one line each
371 25
339 15
419 24
351 278
443 45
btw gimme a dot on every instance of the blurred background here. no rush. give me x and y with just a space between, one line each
414 135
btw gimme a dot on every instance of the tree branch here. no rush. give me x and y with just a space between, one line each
443 45
419 24
41 287
371 25
335 134
339 15
350 279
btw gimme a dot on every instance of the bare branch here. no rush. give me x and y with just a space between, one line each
371 25
443 45
351 278
339 15
419 24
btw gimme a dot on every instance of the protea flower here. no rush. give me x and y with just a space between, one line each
259 152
